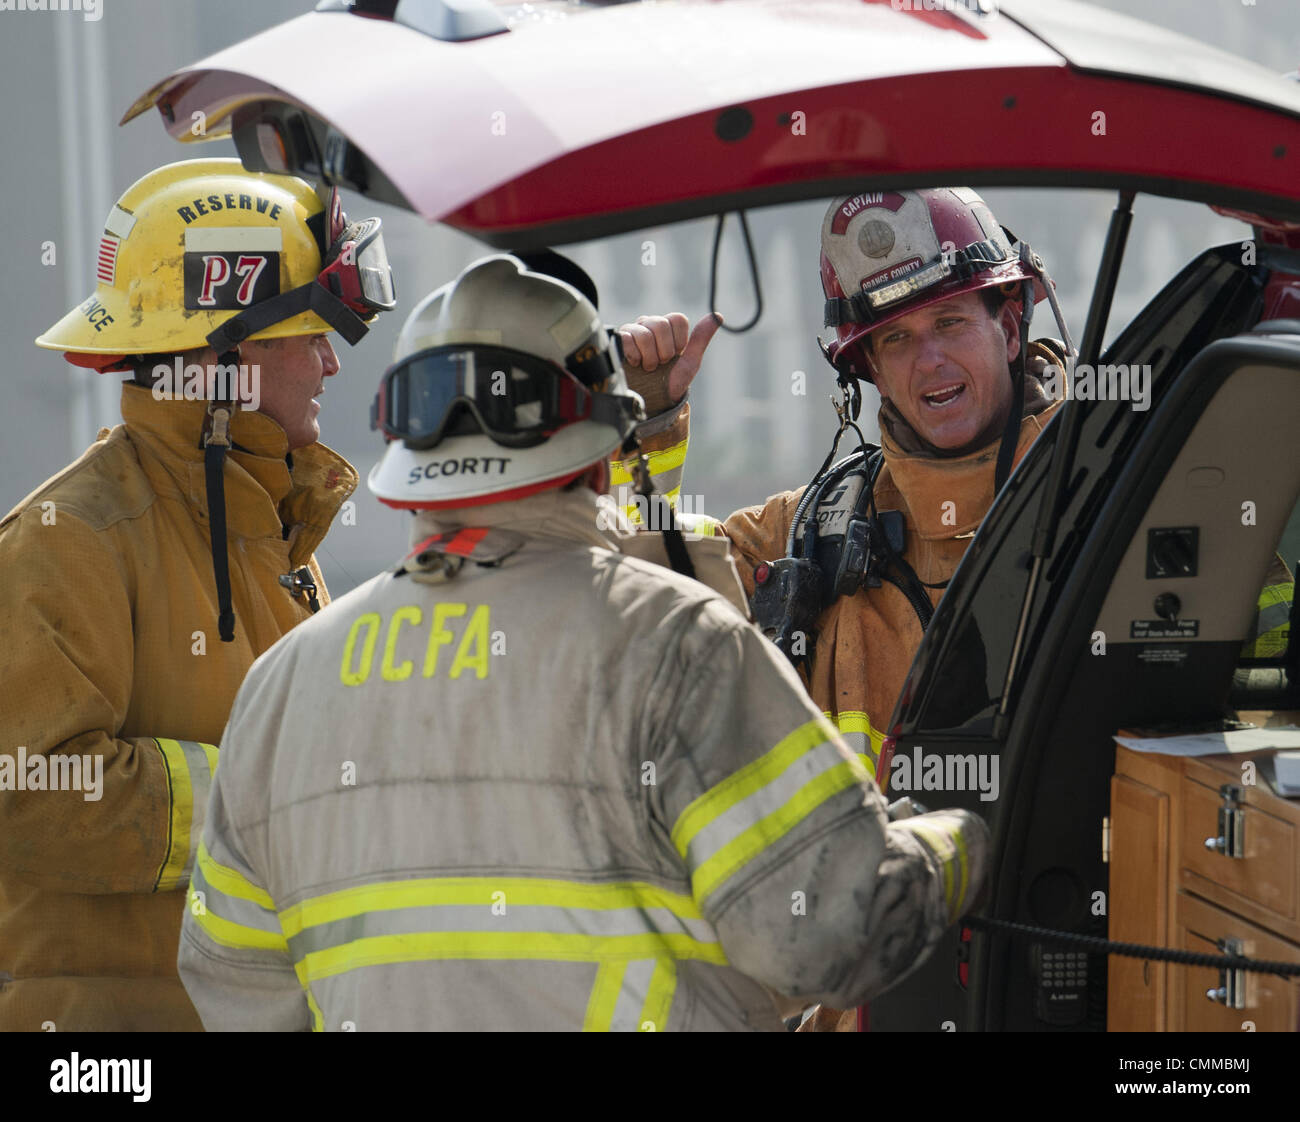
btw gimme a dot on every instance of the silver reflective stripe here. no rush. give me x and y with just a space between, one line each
666 481
196 761
518 919
1275 615
632 995
766 800
859 742
232 908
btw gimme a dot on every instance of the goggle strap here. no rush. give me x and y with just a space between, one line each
310 297
615 410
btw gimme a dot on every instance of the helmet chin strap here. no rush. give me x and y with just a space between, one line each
1011 431
216 443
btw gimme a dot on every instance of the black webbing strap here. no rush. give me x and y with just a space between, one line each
1097 945
1015 415
674 543
310 297
215 445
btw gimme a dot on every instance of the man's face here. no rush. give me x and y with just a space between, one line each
293 373
945 368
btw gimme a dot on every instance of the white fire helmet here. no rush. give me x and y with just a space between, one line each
504 383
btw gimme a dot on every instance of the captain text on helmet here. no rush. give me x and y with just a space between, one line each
578 786
929 299
121 578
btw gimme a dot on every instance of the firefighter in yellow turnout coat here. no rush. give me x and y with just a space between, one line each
528 781
117 681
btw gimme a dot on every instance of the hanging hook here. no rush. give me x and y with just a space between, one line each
753 272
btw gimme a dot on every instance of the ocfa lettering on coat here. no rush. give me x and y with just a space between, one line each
405 627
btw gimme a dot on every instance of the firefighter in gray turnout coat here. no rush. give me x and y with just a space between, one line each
526 780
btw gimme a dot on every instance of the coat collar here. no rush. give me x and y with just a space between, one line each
268 493
947 496
579 515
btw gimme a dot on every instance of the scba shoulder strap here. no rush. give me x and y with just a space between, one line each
839 542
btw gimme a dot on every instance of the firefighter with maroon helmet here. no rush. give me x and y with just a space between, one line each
930 301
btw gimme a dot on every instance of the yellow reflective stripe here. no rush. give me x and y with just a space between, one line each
741 784
181 792
620 471
604 996
1273 594
433 891
703 526
659 997
1273 641
946 845
317 1017
227 880
855 720
380 950
236 935
743 849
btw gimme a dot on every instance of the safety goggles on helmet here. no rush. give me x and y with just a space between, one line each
355 283
516 399
358 272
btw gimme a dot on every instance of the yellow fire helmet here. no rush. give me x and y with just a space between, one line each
203 252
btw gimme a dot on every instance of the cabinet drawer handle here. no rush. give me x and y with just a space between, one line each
1231 840
1231 991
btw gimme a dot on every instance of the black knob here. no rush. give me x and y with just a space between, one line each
1168 606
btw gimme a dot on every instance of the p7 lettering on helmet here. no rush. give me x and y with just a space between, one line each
362 644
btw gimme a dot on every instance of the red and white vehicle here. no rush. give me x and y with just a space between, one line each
523 126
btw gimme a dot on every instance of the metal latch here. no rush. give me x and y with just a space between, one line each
1231 992
1231 841
299 583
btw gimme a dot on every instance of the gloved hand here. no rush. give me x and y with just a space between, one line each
661 356
957 845
1045 352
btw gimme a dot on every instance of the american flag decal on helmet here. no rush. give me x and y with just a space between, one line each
106 271
117 227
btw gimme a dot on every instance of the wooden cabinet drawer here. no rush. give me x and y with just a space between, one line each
1138 913
1264 877
1272 1004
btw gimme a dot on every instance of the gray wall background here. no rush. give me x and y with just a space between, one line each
65 82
